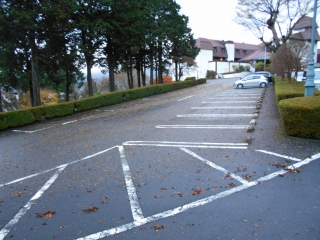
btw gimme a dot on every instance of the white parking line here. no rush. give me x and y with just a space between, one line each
279 155
52 169
194 204
216 115
205 126
211 164
231 102
6 229
31 131
133 198
69 122
232 97
234 107
186 144
185 98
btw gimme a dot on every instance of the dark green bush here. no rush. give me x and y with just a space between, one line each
190 79
23 117
300 116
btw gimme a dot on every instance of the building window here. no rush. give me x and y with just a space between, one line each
215 49
237 51
245 52
223 50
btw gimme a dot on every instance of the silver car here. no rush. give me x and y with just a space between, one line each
253 80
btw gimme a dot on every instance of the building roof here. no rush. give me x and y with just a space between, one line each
257 55
305 22
305 35
245 49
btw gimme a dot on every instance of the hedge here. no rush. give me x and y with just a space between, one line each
26 116
300 116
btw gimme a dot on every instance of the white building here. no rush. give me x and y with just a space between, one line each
220 56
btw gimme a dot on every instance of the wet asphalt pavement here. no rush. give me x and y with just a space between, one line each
179 165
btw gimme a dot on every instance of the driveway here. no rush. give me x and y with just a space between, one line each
180 165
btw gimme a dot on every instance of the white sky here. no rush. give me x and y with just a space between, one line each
213 19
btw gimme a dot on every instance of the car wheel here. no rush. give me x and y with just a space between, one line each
263 85
240 86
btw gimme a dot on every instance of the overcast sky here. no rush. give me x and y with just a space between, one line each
213 19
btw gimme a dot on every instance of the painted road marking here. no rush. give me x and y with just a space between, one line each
205 126
69 122
139 219
65 123
133 198
105 110
213 165
55 168
186 207
31 131
227 115
279 155
232 97
6 229
221 107
186 144
185 98
231 102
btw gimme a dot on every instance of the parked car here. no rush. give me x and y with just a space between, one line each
268 75
252 80
301 76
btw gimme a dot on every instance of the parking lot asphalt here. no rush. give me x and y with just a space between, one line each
174 166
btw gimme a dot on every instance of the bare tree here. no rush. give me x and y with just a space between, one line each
277 16
290 56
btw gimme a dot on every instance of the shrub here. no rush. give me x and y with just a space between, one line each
300 116
211 74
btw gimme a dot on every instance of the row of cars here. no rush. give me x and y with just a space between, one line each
263 78
257 79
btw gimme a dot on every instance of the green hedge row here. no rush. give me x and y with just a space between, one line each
300 116
26 116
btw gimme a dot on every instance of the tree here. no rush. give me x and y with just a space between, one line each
277 16
289 57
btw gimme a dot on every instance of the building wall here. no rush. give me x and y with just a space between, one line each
230 50
203 62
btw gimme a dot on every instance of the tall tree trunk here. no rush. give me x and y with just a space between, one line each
138 70
29 71
176 70
89 59
151 64
160 62
68 82
35 72
130 71
89 76
111 76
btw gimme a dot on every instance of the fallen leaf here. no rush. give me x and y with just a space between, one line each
47 214
157 227
92 209
227 175
196 192
230 185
